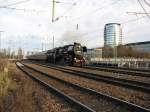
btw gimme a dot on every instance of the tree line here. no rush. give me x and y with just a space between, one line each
124 52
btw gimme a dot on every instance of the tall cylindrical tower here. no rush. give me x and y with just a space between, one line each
112 34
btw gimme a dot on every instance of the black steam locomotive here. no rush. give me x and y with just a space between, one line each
72 54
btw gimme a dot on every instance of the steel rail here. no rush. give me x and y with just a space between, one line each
121 70
132 107
67 98
140 86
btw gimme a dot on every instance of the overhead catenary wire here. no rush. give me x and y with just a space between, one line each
60 2
136 13
143 9
147 3
67 11
16 3
25 10
20 9
97 30
133 20
92 12
96 10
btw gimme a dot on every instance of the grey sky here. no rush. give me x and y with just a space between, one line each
31 27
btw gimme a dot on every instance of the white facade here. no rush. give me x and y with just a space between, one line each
112 34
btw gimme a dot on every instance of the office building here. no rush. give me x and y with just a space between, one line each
112 34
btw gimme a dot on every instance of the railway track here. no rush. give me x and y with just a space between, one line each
42 78
140 86
125 68
89 98
126 71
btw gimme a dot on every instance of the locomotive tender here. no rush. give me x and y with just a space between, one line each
72 54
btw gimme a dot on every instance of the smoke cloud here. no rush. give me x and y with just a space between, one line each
70 37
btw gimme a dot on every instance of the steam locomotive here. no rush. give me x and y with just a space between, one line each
72 54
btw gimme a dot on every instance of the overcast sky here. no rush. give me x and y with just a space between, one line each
28 25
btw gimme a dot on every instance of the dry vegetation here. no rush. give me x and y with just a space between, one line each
20 94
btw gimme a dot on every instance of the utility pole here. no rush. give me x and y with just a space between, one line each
53 42
42 46
0 39
54 56
53 11
77 27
